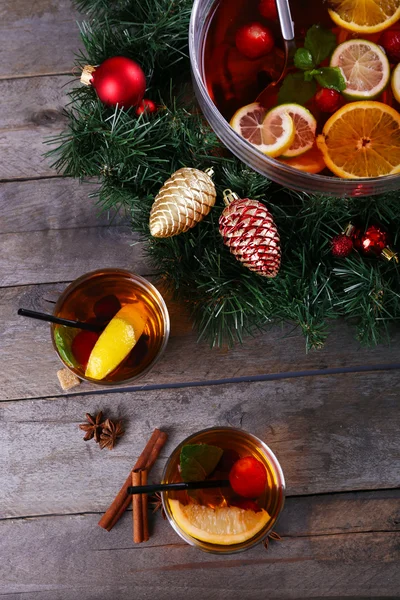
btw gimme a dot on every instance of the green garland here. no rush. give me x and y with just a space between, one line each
133 156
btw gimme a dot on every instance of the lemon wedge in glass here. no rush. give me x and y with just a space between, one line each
116 341
224 526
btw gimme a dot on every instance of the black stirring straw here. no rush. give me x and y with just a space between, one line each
52 319
177 487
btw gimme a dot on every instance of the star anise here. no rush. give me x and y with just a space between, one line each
93 427
156 501
273 536
111 432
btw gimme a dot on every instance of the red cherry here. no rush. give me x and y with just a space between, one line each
390 40
267 9
246 505
82 345
107 307
254 40
248 477
147 106
328 100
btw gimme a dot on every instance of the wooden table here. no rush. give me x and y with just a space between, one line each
336 433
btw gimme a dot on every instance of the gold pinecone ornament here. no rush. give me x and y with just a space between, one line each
251 235
184 200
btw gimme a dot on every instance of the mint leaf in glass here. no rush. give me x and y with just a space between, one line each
198 461
63 337
331 77
295 89
320 42
303 59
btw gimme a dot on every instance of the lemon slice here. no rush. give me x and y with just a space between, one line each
364 16
365 68
396 82
362 139
271 136
116 341
224 526
304 124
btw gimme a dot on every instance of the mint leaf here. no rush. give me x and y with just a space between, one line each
63 337
320 42
295 89
331 77
303 59
198 461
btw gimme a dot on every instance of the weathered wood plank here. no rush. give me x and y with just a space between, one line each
64 254
184 361
69 556
58 203
38 37
324 440
32 114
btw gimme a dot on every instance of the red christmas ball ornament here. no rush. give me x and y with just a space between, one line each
390 40
328 100
250 233
341 246
374 240
254 40
268 10
118 80
147 106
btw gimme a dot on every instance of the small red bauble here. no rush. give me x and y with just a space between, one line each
342 245
147 106
82 345
390 40
254 40
374 240
267 9
248 477
118 80
328 100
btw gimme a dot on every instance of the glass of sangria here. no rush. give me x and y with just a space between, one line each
232 72
132 321
226 519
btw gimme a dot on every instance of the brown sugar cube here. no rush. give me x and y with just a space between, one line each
67 379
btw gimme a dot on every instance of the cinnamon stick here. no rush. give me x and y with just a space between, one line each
145 516
137 510
145 461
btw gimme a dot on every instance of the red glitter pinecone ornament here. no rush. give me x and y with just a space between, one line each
251 235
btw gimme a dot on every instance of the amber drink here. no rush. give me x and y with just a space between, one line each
253 515
96 298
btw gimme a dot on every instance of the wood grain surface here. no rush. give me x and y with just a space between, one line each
37 38
329 548
336 436
32 114
324 440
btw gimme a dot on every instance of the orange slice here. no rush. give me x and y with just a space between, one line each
224 526
311 161
362 139
364 16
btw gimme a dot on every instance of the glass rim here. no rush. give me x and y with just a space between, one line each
283 174
146 284
257 538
